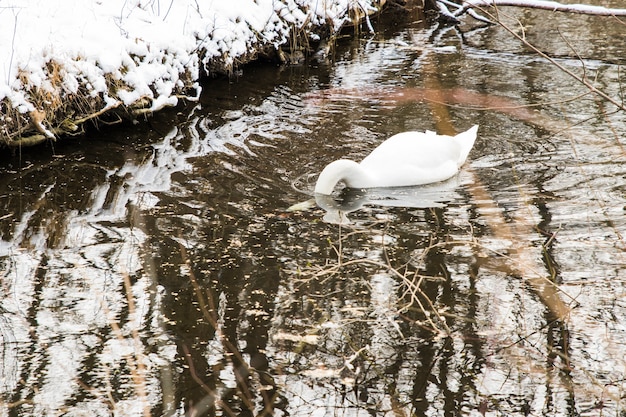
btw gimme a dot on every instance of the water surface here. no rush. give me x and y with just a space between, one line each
154 269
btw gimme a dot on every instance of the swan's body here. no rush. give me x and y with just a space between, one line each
409 158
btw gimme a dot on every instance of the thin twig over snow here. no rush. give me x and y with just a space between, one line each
547 5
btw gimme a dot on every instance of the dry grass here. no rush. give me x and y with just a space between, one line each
58 112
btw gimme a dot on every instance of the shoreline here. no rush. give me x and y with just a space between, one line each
151 58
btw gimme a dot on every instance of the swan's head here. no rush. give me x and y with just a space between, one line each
342 170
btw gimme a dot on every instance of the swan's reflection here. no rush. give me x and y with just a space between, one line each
423 196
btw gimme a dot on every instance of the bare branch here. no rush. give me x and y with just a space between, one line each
545 5
581 79
550 5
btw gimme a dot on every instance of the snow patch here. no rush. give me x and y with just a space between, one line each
131 50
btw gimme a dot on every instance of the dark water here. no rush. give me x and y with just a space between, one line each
155 270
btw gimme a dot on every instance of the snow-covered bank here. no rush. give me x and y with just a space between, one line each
63 62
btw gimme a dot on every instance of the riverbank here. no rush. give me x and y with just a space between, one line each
69 62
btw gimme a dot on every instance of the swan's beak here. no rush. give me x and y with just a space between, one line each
305 205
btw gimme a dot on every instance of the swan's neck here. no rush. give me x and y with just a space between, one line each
349 172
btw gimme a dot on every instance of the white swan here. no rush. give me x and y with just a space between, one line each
409 158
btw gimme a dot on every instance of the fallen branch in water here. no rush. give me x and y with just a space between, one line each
493 18
468 7
582 79
544 5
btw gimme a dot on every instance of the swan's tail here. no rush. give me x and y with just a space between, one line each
466 140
